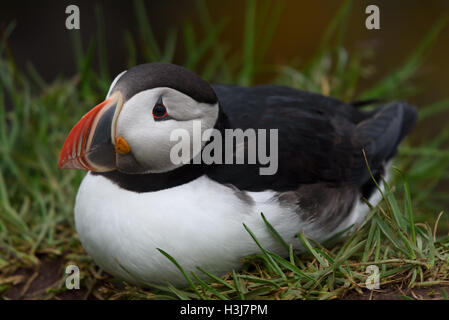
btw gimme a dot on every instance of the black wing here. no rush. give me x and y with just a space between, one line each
320 139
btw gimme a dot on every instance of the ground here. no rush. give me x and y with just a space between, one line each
37 283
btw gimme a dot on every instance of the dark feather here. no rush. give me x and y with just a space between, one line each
320 138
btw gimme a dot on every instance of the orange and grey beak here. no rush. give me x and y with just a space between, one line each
92 143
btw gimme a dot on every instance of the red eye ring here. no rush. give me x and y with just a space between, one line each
159 111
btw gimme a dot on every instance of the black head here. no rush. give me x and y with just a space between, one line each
160 74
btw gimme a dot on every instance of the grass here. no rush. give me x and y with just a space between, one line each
406 235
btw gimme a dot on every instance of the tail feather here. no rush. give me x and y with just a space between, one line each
381 134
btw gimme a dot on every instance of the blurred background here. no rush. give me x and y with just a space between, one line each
40 36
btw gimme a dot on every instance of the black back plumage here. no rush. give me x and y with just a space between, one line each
320 138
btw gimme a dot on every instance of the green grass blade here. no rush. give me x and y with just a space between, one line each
274 233
207 287
186 276
238 286
311 249
265 253
217 279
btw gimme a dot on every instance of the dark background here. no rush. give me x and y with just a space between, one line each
41 38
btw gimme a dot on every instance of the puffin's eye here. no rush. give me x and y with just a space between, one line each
159 110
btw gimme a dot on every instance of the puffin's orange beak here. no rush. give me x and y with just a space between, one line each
90 145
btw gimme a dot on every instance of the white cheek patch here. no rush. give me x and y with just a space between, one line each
135 124
148 139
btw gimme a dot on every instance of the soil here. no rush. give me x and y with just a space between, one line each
32 283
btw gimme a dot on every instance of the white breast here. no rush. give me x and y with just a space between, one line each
198 223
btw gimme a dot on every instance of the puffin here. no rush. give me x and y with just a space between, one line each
135 200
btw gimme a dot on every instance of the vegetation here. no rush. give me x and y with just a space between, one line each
406 235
